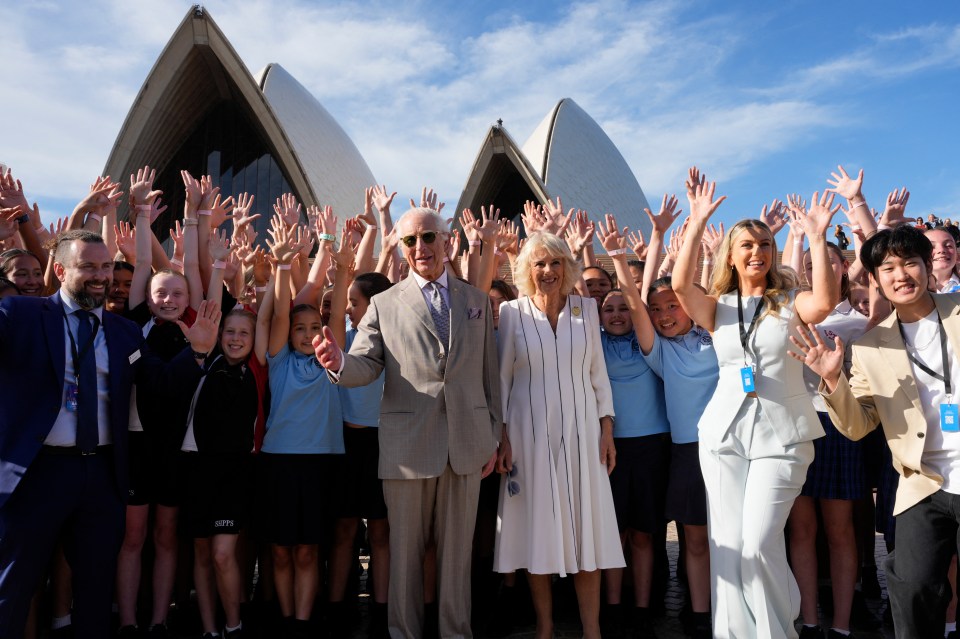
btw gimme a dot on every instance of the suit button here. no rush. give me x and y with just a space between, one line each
440 356
920 435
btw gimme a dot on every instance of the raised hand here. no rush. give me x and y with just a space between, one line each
157 209
579 233
11 192
176 236
208 193
8 221
796 204
288 209
774 216
817 221
219 245
712 239
242 217
555 221
532 217
202 336
304 242
486 227
104 195
356 229
345 256
380 198
428 200
700 195
637 244
468 222
845 186
609 235
328 353
193 191
326 223
368 217
668 213
893 212
817 356
141 187
507 236
281 242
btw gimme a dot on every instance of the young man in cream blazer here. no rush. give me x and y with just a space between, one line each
905 375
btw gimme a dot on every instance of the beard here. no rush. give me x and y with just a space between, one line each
88 300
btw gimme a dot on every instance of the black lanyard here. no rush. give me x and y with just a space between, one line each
79 355
745 333
945 378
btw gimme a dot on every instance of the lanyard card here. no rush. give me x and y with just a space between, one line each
72 392
746 377
949 418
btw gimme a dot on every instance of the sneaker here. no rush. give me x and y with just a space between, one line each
811 632
233 634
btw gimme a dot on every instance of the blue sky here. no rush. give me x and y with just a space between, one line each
767 98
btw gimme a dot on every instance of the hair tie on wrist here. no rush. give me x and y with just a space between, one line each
283 267
94 216
326 237
175 261
190 221
860 203
475 242
205 212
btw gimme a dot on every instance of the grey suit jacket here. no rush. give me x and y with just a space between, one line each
439 403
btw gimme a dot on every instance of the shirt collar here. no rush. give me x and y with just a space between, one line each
421 282
71 305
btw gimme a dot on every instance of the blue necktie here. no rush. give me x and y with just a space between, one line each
88 435
440 312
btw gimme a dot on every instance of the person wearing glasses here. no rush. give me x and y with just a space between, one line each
432 337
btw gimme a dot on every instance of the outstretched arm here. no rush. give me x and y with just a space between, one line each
616 247
701 307
815 305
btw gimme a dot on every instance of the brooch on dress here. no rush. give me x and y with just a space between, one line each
576 311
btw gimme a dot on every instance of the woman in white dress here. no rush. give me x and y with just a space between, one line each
556 509
757 431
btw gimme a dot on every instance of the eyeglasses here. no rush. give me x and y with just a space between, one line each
410 241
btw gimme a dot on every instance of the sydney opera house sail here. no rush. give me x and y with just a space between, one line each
568 155
200 109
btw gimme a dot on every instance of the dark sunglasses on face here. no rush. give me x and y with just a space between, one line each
411 240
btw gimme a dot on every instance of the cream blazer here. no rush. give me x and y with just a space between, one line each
440 402
882 390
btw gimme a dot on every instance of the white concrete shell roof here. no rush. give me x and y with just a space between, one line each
578 162
199 69
333 166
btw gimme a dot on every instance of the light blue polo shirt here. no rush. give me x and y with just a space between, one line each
305 416
687 364
637 391
361 405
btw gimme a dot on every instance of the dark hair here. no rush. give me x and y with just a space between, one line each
602 270
904 241
8 256
663 282
370 284
635 263
64 240
504 289
845 279
120 265
6 285
952 230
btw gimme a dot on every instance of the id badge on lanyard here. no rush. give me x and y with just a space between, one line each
749 371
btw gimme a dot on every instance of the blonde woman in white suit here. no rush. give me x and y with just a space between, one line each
757 432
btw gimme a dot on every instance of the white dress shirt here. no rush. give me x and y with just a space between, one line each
64 430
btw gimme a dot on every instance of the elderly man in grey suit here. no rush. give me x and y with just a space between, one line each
439 419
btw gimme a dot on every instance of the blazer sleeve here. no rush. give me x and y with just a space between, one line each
851 405
365 361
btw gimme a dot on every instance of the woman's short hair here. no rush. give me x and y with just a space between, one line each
553 247
903 241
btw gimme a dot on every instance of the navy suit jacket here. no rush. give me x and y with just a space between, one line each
32 368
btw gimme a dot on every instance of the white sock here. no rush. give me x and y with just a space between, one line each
845 633
234 629
60 622
948 628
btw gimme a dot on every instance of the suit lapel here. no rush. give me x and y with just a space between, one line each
412 296
894 352
53 331
457 308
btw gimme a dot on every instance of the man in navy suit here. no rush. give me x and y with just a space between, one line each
66 368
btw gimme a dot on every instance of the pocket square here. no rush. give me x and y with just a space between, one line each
474 313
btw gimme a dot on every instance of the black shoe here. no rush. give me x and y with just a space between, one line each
158 631
860 616
128 632
811 632
643 624
869 585
63 632
833 634
233 634
700 626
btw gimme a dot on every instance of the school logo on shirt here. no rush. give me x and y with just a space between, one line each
705 338
830 334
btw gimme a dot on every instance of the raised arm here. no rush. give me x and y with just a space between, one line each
365 262
615 244
11 197
326 226
712 239
343 258
659 225
793 249
701 307
487 229
815 305
219 251
142 197
281 244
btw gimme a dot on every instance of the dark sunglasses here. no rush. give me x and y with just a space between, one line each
411 240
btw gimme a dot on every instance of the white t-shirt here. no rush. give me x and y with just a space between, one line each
941 451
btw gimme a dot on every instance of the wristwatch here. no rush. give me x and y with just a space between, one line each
23 219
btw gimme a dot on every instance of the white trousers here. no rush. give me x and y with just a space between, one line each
752 481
